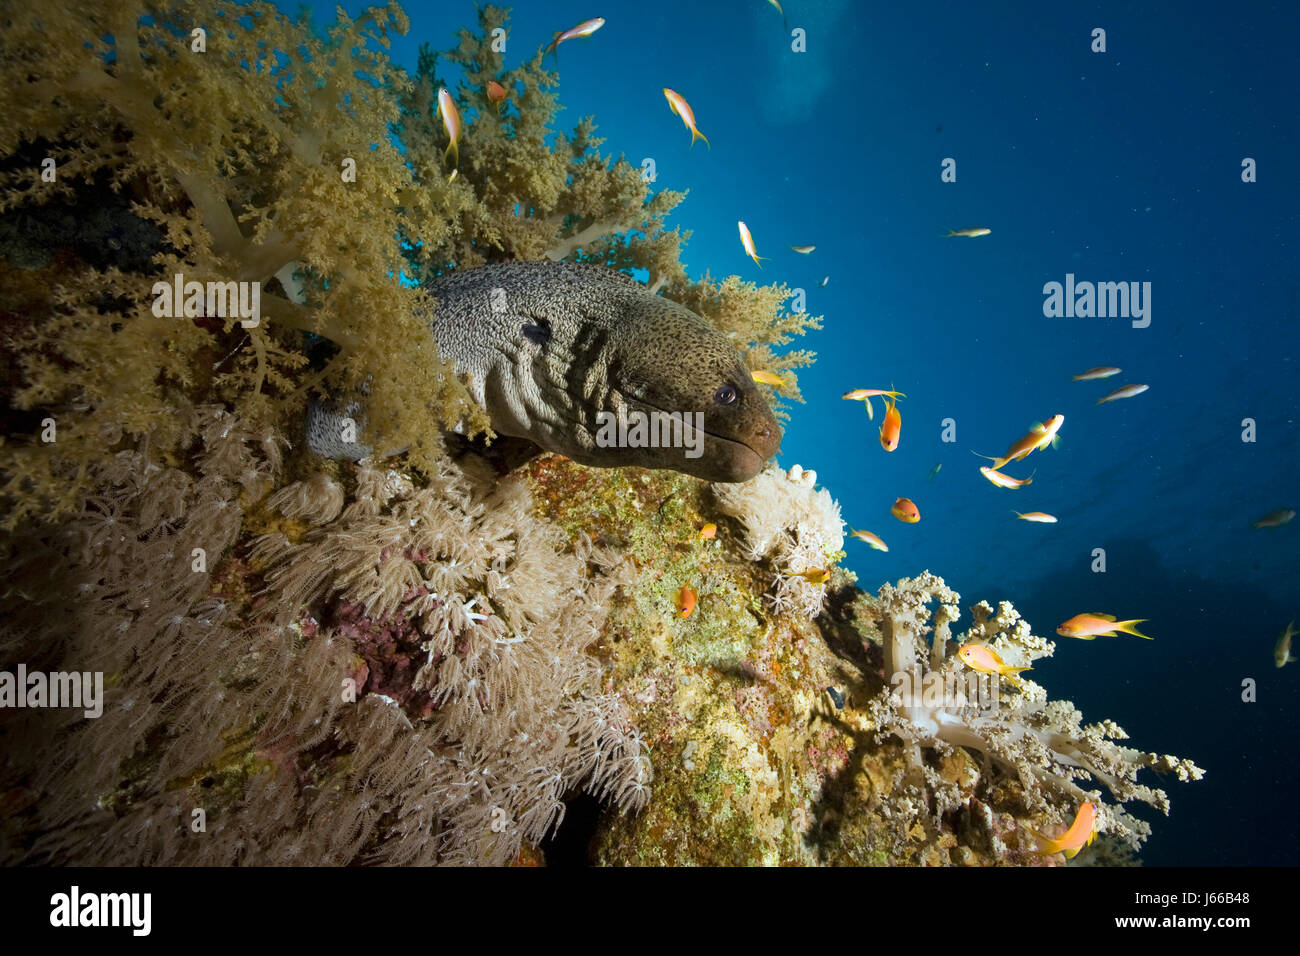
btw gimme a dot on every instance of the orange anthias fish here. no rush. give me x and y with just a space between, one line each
1040 436
870 539
1128 391
451 123
968 233
496 93
683 109
1274 519
685 600
747 241
584 29
1081 832
1101 371
767 378
1089 626
891 426
1006 481
905 509
986 660
707 532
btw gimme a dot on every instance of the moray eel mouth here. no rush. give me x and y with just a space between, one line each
732 447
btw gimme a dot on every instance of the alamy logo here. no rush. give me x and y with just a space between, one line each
58 689
103 909
179 299
631 428
1085 300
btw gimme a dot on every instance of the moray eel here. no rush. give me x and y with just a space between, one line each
547 347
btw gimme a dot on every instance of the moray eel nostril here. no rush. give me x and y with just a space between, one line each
587 363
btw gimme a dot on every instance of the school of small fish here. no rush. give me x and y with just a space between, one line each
1087 626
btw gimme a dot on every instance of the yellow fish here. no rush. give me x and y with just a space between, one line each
747 241
814 575
1086 627
683 109
707 532
768 378
451 123
986 660
1006 481
968 233
869 538
1040 516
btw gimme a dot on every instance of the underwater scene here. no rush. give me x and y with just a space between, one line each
737 433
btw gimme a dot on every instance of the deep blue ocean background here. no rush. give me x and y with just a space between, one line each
1119 166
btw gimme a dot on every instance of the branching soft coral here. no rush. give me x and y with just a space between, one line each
1021 734
241 155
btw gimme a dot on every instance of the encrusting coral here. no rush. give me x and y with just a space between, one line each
416 660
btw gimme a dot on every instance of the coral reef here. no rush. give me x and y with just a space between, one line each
417 660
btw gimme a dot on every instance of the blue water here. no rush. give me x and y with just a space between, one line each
1116 166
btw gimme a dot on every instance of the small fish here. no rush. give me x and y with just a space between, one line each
803 250
1006 481
683 109
891 426
1086 627
869 538
813 575
707 532
1040 436
1041 517
1274 520
496 93
451 123
825 281
584 29
1282 651
1101 371
968 233
905 509
768 378
685 600
934 471
865 394
1080 833
837 697
1128 391
986 660
747 241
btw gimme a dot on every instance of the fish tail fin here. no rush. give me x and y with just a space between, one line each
696 134
1130 627
452 153
951 233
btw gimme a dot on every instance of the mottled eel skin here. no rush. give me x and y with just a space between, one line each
545 346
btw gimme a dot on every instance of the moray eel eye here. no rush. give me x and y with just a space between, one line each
725 395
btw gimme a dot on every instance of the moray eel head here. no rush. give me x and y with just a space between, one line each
674 362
